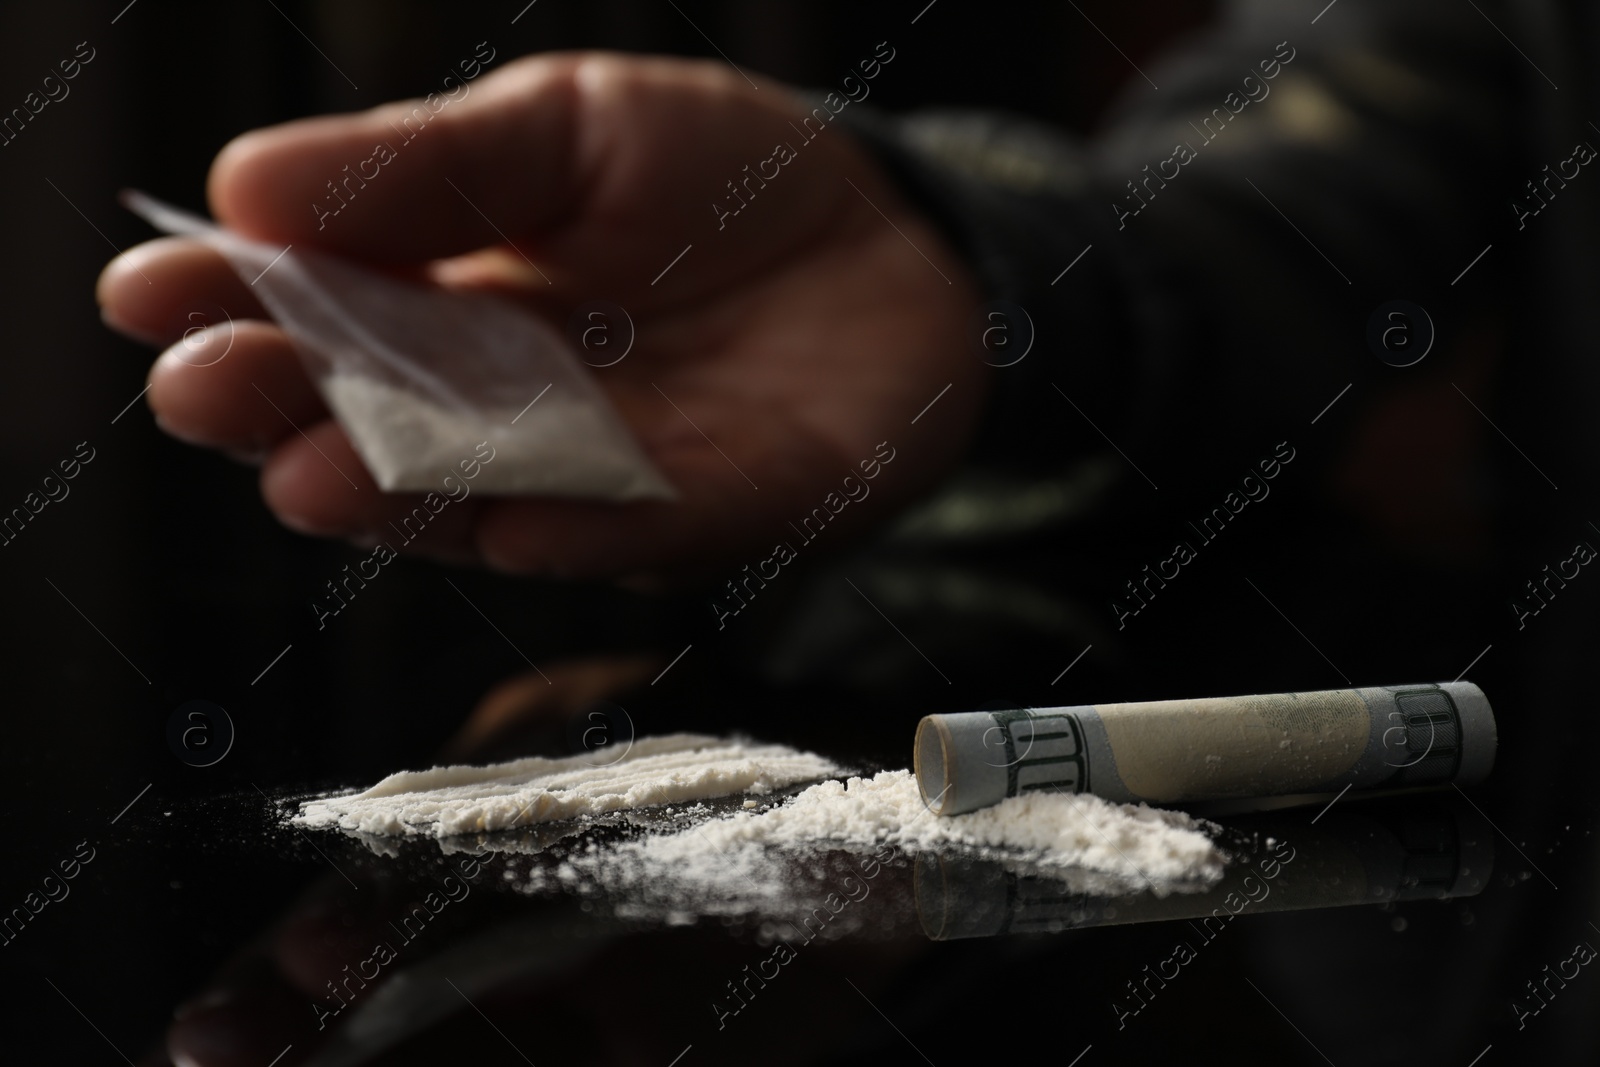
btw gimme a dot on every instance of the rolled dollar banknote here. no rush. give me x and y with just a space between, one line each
1179 751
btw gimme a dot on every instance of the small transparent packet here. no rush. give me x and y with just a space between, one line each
420 377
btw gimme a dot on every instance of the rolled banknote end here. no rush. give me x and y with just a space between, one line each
1181 751
1478 728
959 761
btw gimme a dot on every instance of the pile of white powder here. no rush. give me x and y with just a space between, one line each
1046 828
729 863
671 769
754 859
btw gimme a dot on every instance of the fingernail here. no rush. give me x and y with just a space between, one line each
127 329
300 524
188 439
247 457
211 998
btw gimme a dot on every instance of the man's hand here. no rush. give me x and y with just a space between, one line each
769 360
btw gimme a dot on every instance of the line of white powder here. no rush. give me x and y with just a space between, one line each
671 769
1078 838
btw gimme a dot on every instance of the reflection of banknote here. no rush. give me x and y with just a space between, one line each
1411 849
1176 751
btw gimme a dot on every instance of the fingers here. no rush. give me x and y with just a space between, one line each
315 482
239 387
227 379
232 382
413 180
157 291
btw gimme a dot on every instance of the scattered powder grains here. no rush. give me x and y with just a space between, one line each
773 861
1144 846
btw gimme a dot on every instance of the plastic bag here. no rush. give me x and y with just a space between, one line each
419 377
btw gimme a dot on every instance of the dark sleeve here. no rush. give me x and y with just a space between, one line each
1200 273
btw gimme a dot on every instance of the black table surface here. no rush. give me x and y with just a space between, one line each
1403 929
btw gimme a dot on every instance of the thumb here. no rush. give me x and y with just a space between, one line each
471 165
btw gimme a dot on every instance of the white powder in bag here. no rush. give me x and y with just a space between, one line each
418 375
411 443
